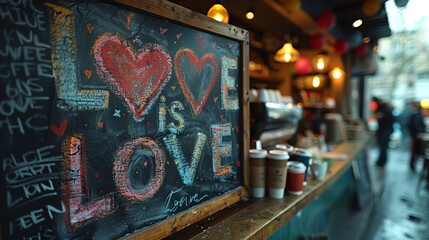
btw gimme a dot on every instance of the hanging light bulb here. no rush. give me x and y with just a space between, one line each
250 15
316 81
286 54
321 62
218 12
357 23
336 73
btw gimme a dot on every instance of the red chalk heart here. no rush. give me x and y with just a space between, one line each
136 76
196 76
59 130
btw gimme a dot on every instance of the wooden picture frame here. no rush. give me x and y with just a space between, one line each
132 119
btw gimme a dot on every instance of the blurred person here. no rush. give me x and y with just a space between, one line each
383 112
404 118
419 131
416 125
425 113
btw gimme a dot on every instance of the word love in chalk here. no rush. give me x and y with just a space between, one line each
171 205
130 157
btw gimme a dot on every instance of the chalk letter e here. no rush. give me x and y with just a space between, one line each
222 150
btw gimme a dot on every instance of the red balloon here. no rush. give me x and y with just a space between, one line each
341 46
326 19
303 65
361 49
317 41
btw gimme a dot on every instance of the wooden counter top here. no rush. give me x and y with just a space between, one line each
259 218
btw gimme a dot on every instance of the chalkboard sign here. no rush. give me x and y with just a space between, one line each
118 118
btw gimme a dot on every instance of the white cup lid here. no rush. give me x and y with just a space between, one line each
286 147
296 167
258 153
278 155
302 152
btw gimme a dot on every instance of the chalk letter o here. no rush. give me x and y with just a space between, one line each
129 159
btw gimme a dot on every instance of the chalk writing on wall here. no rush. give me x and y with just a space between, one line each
25 64
112 120
29 180
29 164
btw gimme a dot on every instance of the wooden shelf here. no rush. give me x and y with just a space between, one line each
264 77
259 218
312 105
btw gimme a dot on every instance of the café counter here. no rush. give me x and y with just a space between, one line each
265 217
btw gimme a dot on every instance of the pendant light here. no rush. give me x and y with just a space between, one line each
250 13
316 82
321 62
336 73
218 12
287 53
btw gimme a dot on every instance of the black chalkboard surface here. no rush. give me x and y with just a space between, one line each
114 119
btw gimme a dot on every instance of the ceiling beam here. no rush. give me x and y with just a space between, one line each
303 21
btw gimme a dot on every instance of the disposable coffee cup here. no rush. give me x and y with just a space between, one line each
319 170
286 147
258 159
277 172
303 156
295 177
